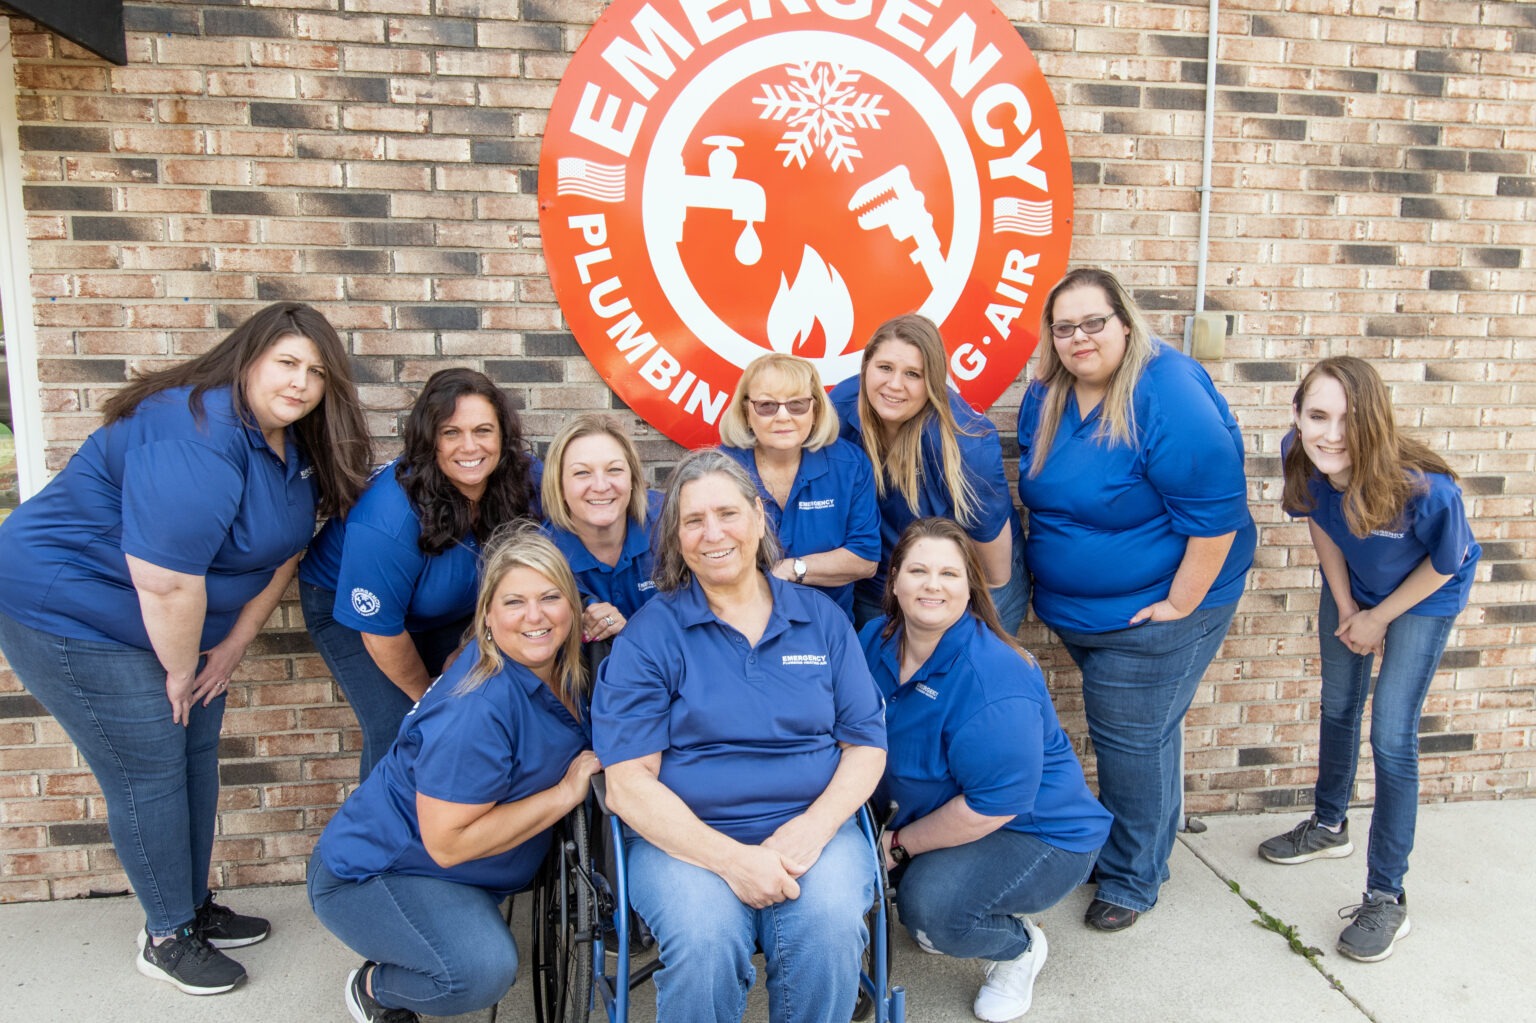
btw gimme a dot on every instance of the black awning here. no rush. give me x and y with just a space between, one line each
96 25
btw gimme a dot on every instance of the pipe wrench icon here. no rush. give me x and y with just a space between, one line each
891 201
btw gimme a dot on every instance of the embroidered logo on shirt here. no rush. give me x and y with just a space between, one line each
1388 534
364 602
646 586
927 690
829 502
306 472
810 659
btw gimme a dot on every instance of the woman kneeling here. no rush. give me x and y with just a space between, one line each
411 871
994 819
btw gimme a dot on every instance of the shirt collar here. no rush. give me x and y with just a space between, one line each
789 606
955 640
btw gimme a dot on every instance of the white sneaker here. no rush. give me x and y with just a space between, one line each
1010 985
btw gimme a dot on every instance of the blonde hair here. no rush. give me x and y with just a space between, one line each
552 490
671 572
1117 415
521 545
898 462
793 374
1386 467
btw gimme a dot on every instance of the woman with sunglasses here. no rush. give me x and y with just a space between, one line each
1131 467
819 491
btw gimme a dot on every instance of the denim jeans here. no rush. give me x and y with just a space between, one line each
812 944
160 779
379 704
962 900
1011 598
1413 646
443 948
1137 685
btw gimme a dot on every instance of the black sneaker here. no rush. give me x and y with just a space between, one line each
1308 840
222 927
189 962
362 1006
1379 921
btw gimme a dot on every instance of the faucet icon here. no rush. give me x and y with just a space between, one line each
720 189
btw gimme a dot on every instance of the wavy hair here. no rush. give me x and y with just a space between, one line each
899 461
981 606
671 573
1117 419
445 513
589 424
521 545
1386 468
789 374
334 436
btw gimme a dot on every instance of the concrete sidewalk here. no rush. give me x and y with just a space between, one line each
1201 955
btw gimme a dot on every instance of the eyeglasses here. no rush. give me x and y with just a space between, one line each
1089 327
768 409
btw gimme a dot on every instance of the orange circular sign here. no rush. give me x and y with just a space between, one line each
726 178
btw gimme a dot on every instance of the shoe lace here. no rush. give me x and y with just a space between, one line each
187 948
210 911
1368 914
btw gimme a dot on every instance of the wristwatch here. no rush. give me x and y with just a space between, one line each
800 568
899 854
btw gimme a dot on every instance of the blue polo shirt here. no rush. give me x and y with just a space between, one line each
831 505
509 739
1108 524
981 454
1433 525
748 736
384 584
625 584
976 720
207 498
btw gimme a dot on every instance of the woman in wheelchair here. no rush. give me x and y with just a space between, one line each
741 733
994 820
411 871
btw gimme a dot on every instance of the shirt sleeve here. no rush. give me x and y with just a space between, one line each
998 756
632 701
862 532
860 709
466 752
1440 524
180 499
377 580
1192 460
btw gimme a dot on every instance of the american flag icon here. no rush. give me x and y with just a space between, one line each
1020 216
601 181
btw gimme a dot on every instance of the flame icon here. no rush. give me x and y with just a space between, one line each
817 295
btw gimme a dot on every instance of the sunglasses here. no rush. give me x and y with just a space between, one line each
1089 327
768 409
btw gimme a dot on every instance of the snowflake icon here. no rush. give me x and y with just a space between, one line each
823 109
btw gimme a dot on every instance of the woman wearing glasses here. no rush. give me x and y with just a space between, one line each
1131 467
818 491
933 455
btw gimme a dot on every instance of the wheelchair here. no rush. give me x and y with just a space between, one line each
591 951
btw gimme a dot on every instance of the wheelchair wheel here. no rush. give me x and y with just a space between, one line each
562 928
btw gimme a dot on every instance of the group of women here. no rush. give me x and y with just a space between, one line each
699 646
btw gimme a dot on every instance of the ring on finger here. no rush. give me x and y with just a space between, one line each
608 619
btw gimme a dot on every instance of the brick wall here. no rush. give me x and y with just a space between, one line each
1375 194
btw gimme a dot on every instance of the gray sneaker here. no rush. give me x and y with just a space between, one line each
1308 840
1379 921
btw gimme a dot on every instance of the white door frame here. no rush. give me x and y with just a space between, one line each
16 287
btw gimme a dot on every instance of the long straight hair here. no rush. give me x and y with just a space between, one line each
898 463
1117 412
446 514
334 436
1386 468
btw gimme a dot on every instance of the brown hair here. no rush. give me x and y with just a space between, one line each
934 528
1386 467
334 436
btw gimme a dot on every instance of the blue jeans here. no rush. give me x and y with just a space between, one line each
1137 685
1011 598
443 948
812 944
1413 646
962 900
160 779
379 704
